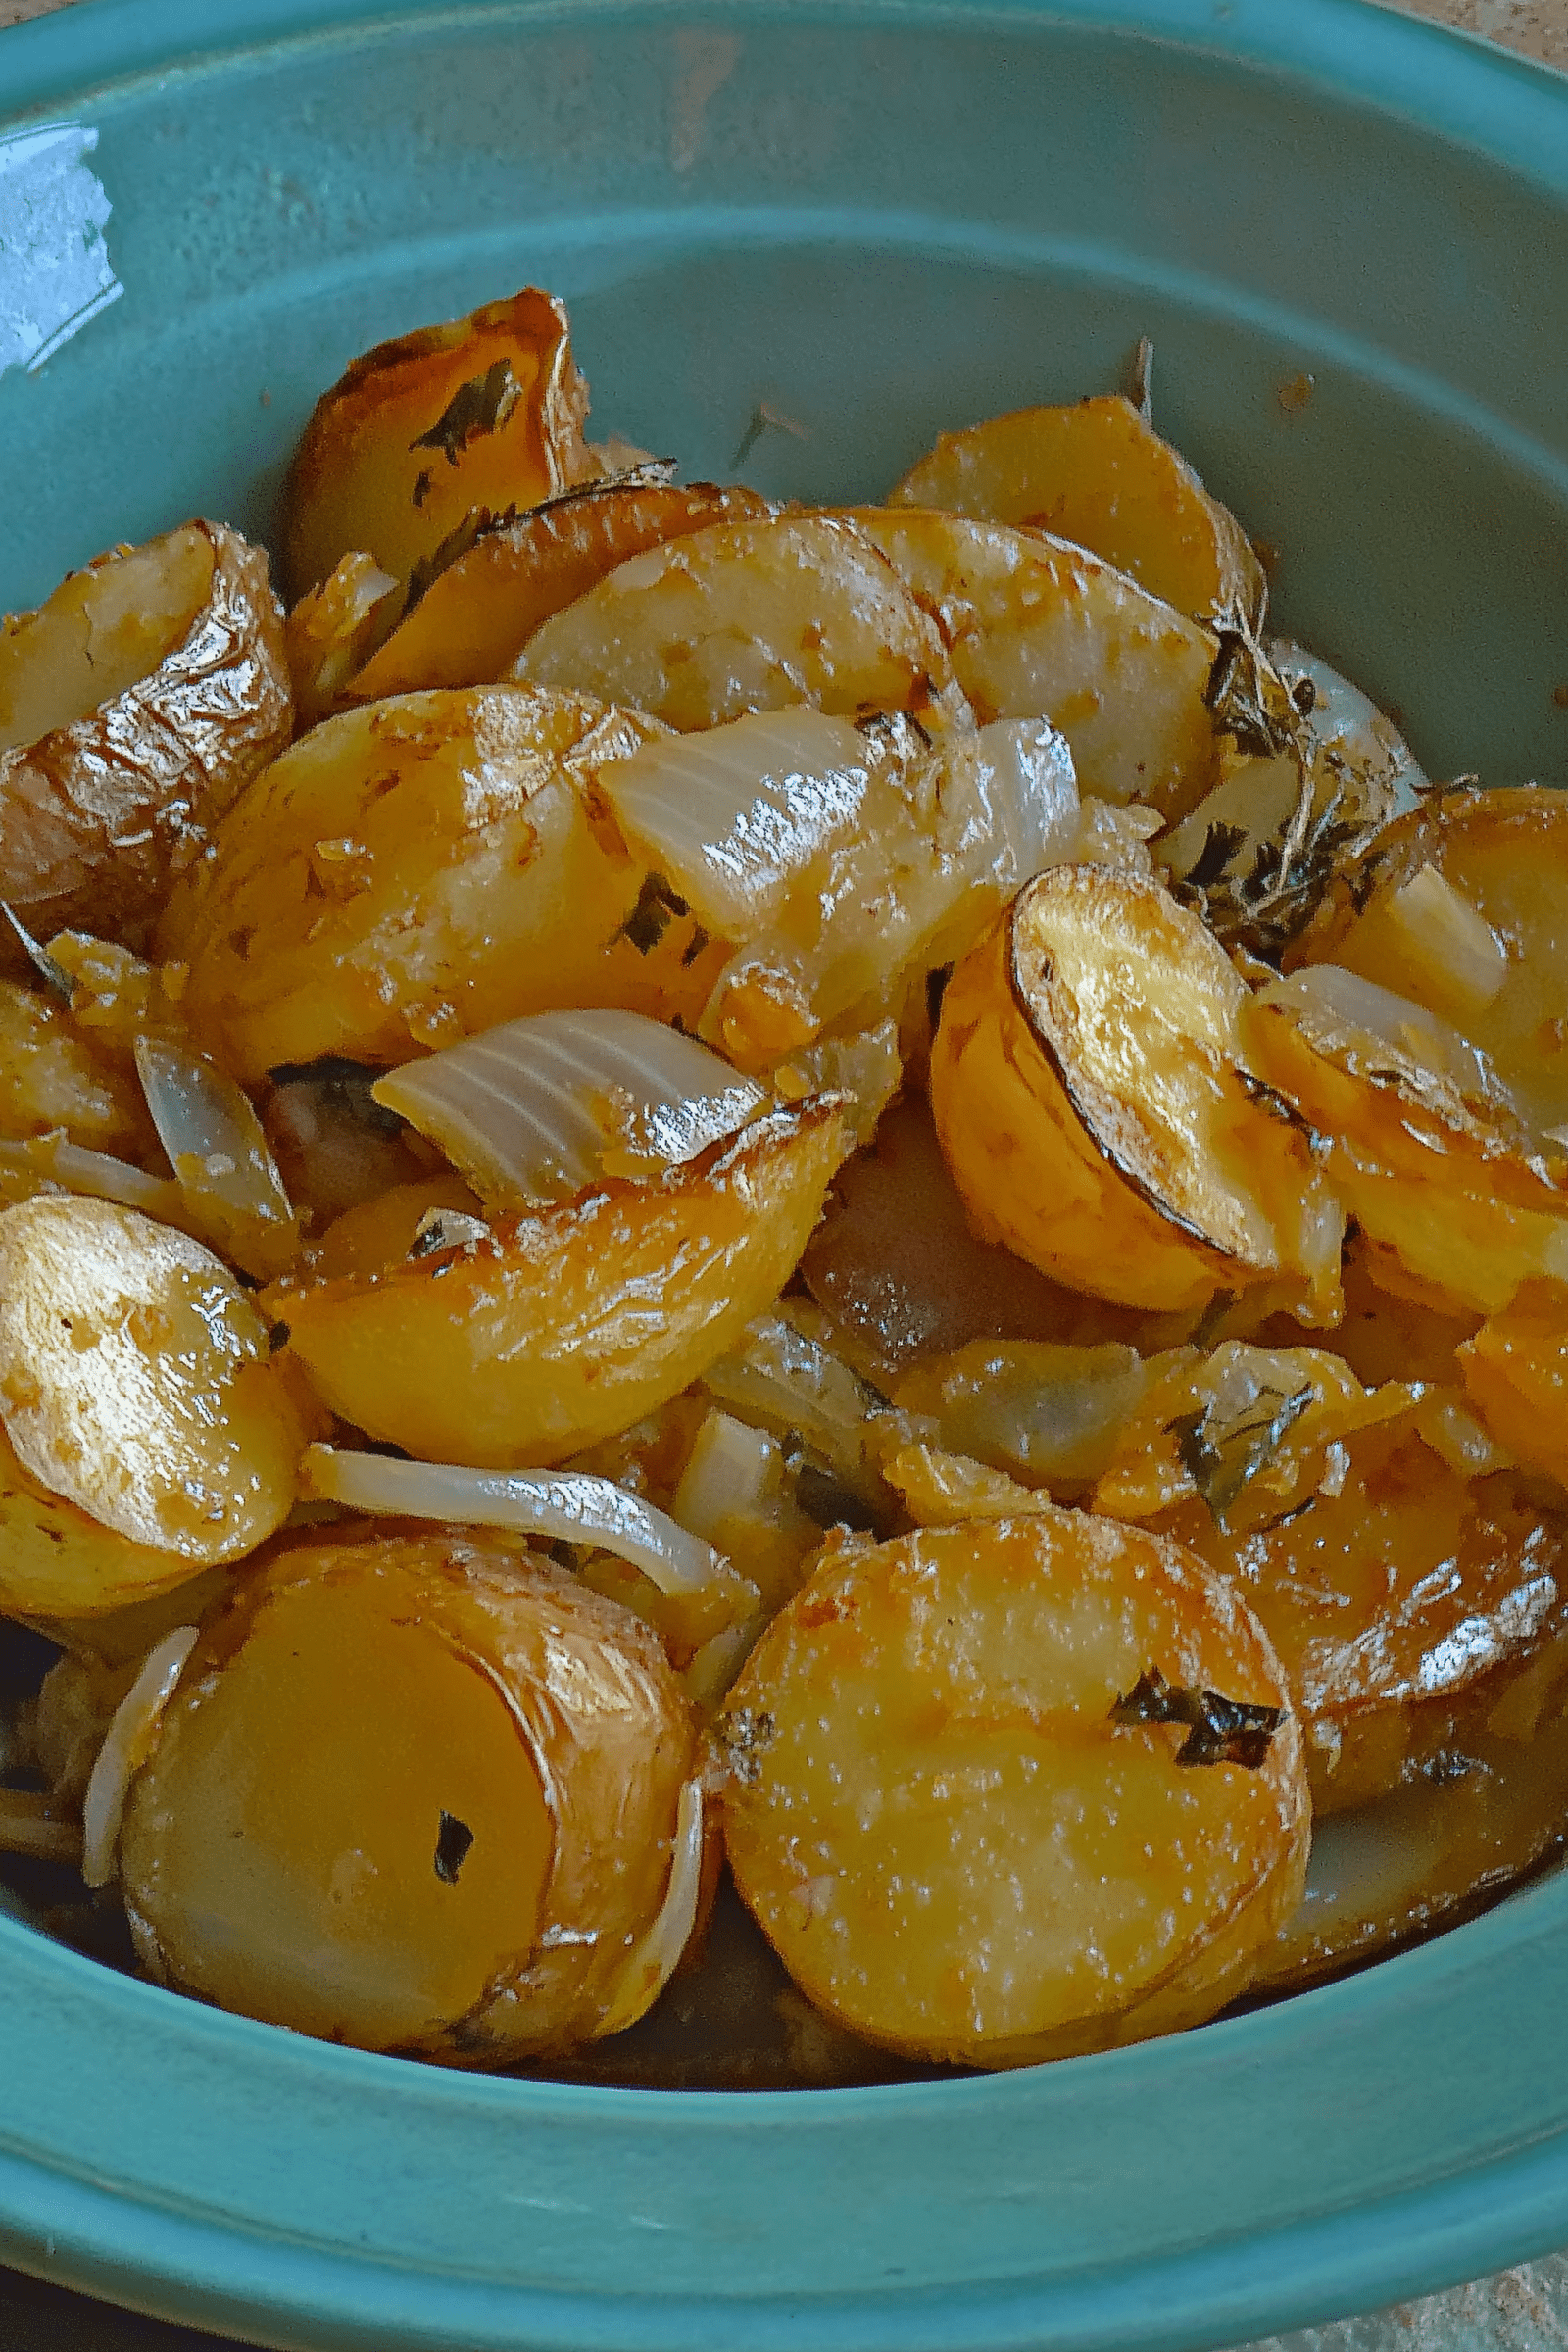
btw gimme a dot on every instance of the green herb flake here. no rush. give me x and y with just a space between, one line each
453 1841
481 405
1219 1730
658 905
1222 1458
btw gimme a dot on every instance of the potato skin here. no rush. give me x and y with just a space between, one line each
569 1324
99 816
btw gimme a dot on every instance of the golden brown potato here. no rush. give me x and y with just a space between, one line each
135 1381
1423 1145
562 1326
1097 473
485 411
422 868
477 615
135 705
1515 1372
1389 1580
748 616
59 1562
418 1793
1459 907
1036 628
53 1082
1090 1089
332 632
955 1848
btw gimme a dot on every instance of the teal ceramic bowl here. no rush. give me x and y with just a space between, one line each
882 217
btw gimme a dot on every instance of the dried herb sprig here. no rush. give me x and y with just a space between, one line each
1219 1730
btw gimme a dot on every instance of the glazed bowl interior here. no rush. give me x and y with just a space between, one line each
851 225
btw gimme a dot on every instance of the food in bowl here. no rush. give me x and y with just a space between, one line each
864 1192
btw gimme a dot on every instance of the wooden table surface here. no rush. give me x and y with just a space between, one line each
1517 2311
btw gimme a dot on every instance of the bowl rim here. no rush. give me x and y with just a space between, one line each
231 2243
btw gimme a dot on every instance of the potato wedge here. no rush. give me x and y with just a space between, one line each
955 1850
333 631
135 1381
134 707
1459 907
423 869
1095 473
1423 1146
1036 628
476 615
485 411
748 616
416 1794
1388 1580
1090 1086
569 1324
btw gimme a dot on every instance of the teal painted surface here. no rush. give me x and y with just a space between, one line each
881 220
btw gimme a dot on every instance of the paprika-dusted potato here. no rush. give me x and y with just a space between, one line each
1036 628
332 632
1388 1578
552 1330
422 868
485 411
135 705
1424 1146
479 611
1515 1373
53 1082
1089 1088
423 1794
136 1382
748 616
1097 473
956 1848
1459 907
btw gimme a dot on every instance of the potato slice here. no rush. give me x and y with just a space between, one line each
59 1562
1459 907
333 631
476 615
1089 1088
1097 473
423 869
1389 1579
418 1794
1424 1146
560 1327
135 1381
955 1850
748 616
135 705
485 411
1515 1372
1036 628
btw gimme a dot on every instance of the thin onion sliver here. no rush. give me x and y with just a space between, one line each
656 1953
125 1749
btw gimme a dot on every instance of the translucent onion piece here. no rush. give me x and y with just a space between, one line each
44 1160
539 1108
125 1749
733 816
656 1953
221 1157
1341 1009
1348 723
1028 782
567 1505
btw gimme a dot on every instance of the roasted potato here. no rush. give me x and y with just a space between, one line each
332 632
1095 473
1090 1089
135 705
955 1848
1515 1373
418 1794
485 411
52 1081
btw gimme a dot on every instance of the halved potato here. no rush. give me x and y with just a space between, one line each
953 1843
1423 1146
1459 907
748 616
1036 628
485 411
479 611
135 1381
135 705
1090 1089
422 868
418 1793
1097 473
558 1328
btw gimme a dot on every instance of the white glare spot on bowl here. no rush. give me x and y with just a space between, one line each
55 271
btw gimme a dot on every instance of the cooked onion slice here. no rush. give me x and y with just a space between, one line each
223 1161
1029 785
656 1952
40 1161
126 1745
568 1504
541 1107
